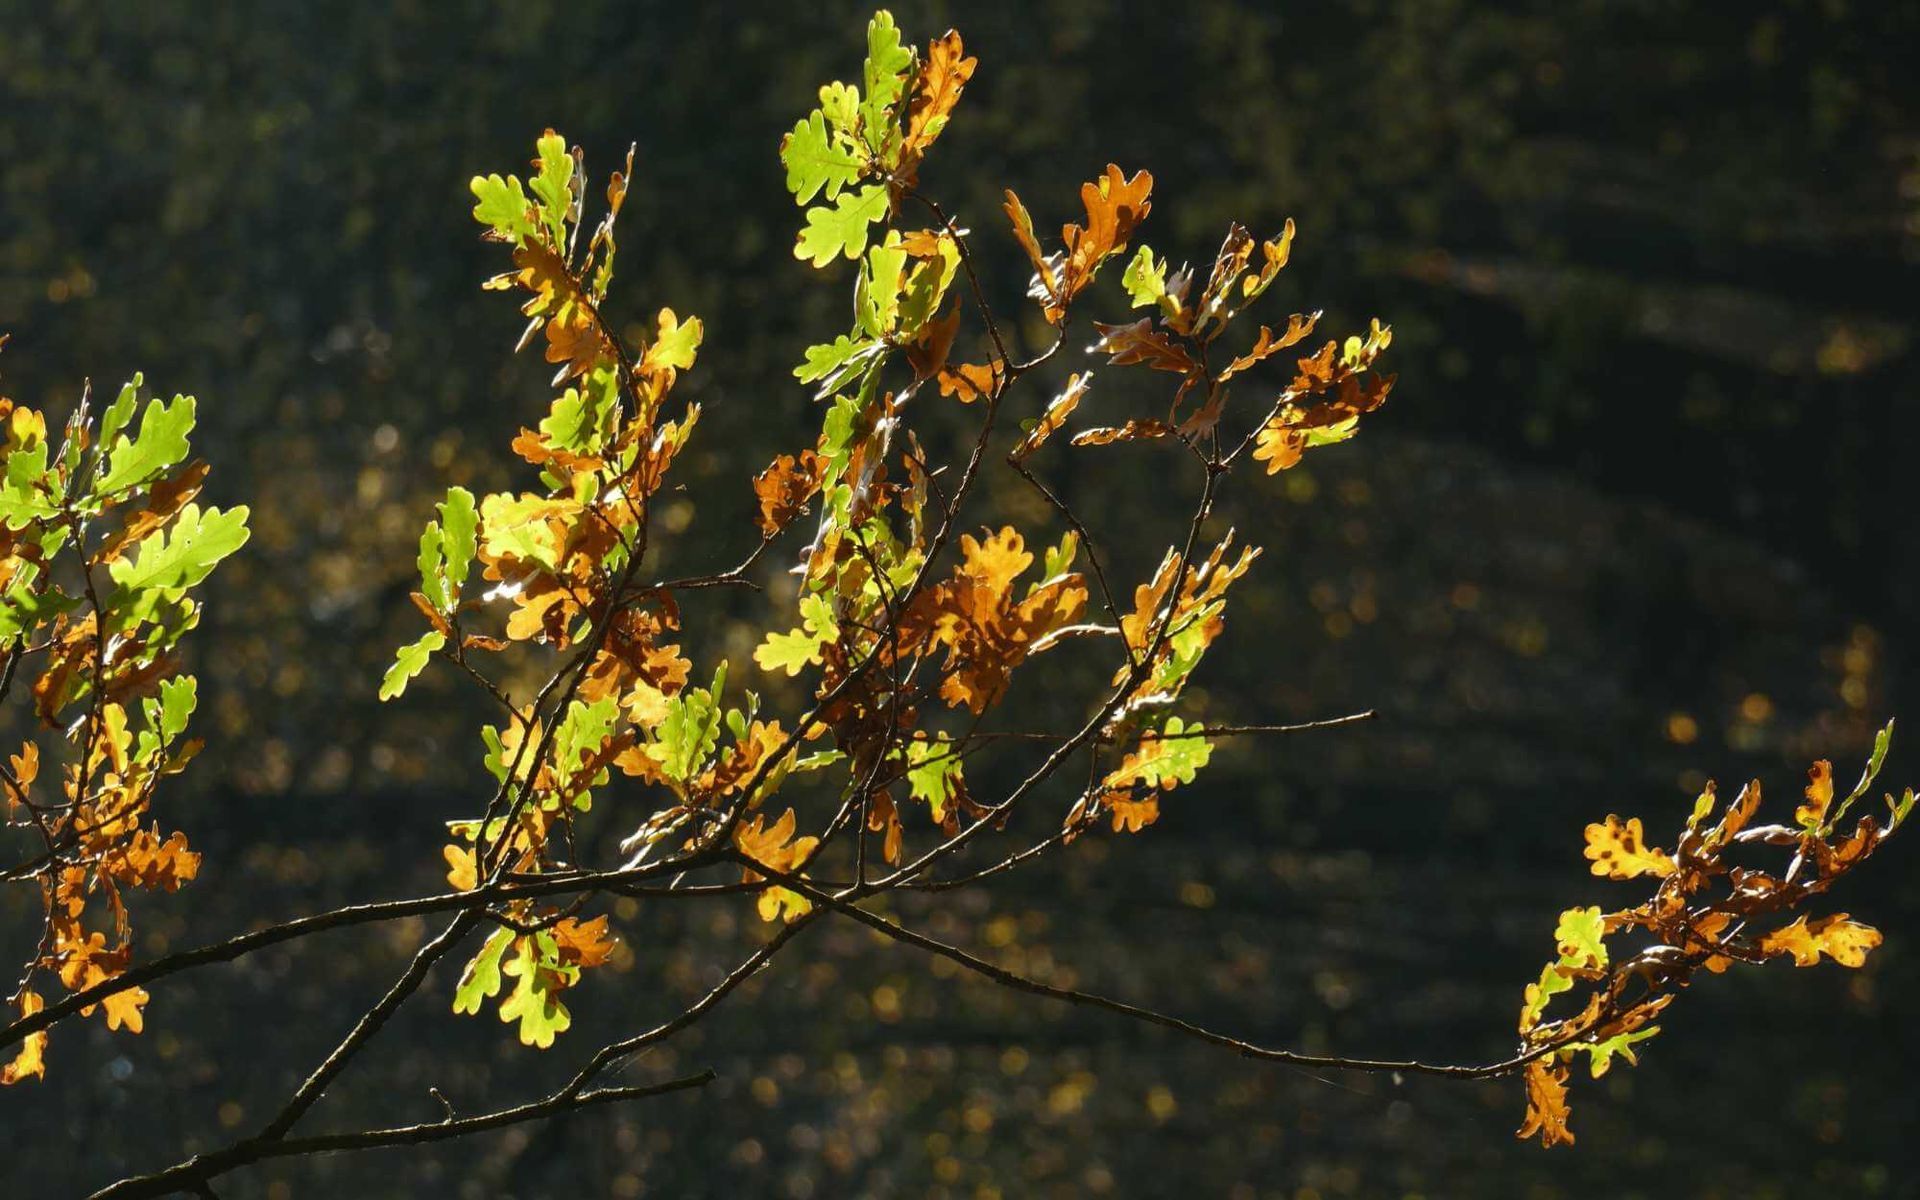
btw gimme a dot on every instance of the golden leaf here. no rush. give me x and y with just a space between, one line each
1845 942
1618 851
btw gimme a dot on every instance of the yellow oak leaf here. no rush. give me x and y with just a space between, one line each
1619 850
1845 942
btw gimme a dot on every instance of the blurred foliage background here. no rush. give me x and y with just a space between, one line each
1639 511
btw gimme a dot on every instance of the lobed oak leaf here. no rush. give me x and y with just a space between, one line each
1136 430
804 646
165 499
935 92
841 229
145 861
503 207
1147 285
169 561
1139 342
1115 207
784 488
1045 287
1547 1110
934 772
673 348
1164 758
576 343
968 382
888 59
26 769
818 159
535 999
1619 851
833 365
1581 935
463 867
410 660
160 444
1294 428
1600 1053
31 1058
1269 343
1055 418
123 1009
481 980
1131 814
584 943
1845 942
775 847
927 352
1812 815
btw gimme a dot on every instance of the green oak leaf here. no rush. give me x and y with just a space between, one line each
573 422
162 443
117 414
934 773
167 715
433 567
676 343
1145 279
585 729
1582 937
1059 559
27 492
876 294
688 733
24 607
841 229
835 364
1553 981
926 287
1881 741
459 521
410 660
1173 759
552 186
840 105
801 647
886 64
168 561
481 979
817 160
1600 1054
502 205
535 1001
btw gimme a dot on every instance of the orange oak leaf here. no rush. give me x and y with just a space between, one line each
1547 1110
1132 814
784 488
1056 415
775 847
935 92
31 1059
584 943
463 870
969 381
1845 942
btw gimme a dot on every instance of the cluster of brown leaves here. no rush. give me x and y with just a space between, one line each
986 631
1709 911
1115 206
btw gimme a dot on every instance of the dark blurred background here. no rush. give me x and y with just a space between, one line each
1639 512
